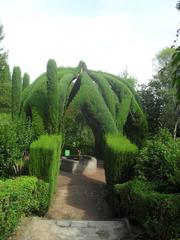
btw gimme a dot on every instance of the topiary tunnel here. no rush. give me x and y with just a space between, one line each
107 102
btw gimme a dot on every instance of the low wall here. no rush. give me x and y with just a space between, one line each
74 164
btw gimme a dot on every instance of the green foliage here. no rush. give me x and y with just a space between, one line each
3 55
9 151
34 106
157 97
16 91
65 85
15 138
176 71
159 162
105 90
26 80
88 104
120 156
37 123
78 135
5 88
24 195
98 116
45 156
106 102
157 213
52 94
129 116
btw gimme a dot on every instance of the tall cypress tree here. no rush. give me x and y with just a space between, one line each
52 82
5 79
16 91
26 80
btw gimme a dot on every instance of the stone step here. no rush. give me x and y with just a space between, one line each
96 230
44 229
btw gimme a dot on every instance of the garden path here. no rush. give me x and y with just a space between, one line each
83 199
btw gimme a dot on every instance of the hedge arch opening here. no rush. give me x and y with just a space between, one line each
106 102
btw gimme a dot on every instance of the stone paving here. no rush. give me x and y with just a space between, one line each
39 229
81 197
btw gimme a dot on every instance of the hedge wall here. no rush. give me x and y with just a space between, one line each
21 196
157 213
45 160
120 156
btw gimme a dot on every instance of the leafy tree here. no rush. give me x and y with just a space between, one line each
178 5
26 80
5 79
52 89
157 97
3 55
16 91
159 162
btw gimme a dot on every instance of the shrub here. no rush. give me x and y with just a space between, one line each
45 160
23 195
157 213
16 137
120 156
159 162
9 151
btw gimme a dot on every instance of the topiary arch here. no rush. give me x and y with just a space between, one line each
107 102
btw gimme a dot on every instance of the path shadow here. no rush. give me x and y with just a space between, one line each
81 196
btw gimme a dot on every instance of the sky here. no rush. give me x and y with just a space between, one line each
109 35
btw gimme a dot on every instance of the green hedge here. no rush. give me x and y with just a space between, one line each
157 213
120 156
105 90
21 196
45 160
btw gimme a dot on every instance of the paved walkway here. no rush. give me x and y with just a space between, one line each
79 212
81 197
39 229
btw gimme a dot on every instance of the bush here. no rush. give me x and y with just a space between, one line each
16 137
45 160
23 195
120 156
157 213
159 162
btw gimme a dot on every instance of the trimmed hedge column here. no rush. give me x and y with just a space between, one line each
52 94
16 91
119 159
45 160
